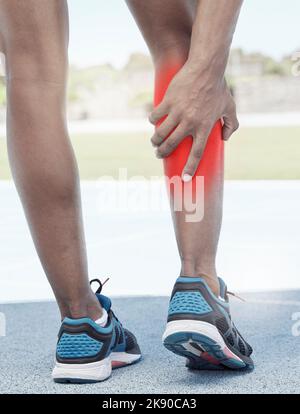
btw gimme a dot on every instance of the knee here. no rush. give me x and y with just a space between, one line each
36 66
30 58
173 47
36 81
34 39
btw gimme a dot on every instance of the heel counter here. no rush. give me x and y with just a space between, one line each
77 345
79 342
187 299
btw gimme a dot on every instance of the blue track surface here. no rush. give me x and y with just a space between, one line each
27 352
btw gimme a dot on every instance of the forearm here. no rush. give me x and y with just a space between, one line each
212 35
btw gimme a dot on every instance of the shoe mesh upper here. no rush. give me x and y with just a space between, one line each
77 346
188 302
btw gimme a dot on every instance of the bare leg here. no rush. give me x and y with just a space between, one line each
35 40
167 31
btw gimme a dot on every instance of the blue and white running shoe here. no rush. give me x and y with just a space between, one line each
200 328
87 352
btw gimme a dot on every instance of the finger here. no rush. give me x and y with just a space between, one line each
193 159
160 111
172 142
164 129
231 124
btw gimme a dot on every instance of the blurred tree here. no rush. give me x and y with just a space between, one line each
143 99
138 61
272 67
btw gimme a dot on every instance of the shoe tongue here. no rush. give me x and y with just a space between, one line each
104 301
223 289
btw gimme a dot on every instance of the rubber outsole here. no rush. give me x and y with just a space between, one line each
203 346
211 355
75 381
133 359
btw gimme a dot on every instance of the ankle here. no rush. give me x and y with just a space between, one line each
208 273
88 306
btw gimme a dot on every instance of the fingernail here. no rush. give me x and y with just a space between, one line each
186 178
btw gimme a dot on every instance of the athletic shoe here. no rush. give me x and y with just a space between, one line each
87 352
200 328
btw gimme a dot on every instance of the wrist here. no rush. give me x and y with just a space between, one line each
208 60
210 71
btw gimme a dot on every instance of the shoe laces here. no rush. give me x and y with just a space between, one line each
236 296
101 284
99 290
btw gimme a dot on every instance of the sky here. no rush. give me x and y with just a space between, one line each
103 31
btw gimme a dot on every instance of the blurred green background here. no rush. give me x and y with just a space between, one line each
252 153
103 93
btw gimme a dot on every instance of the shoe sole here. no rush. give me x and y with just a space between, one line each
123 359
203 346
94 371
